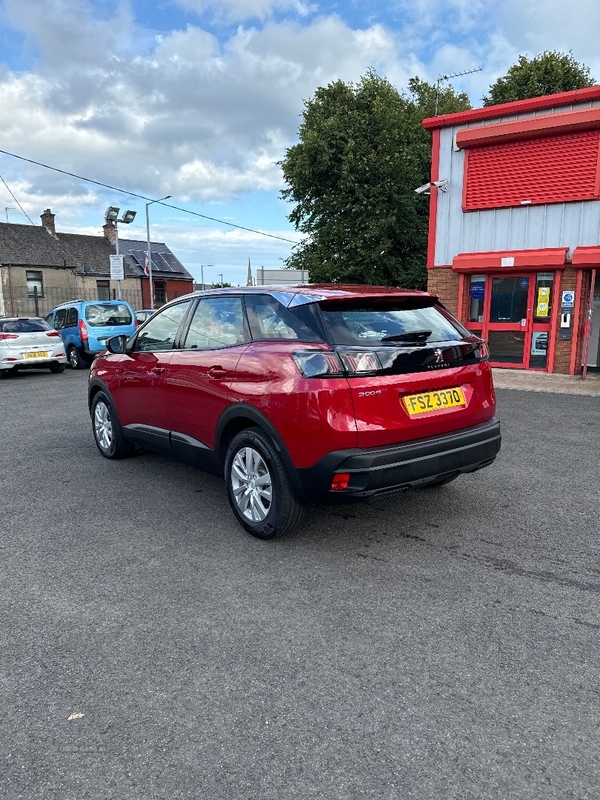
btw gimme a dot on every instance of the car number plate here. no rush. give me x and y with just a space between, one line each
433 401
39 354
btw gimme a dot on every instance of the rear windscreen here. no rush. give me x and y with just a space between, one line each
24 326
394 323
102 315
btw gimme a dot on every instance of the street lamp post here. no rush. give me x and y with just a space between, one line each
221 276
112 213
202 273
149 253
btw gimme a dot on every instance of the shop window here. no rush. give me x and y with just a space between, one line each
103 290
476 298
35 282
551 169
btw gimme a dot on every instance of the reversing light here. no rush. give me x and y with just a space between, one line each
340 481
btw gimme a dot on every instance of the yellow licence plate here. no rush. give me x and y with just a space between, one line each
40 354
433 401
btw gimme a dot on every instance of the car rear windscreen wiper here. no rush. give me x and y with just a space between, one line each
420 337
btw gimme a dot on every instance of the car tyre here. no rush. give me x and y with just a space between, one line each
56 367
108 432
75 359
258 486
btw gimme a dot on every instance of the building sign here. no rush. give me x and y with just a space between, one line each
507 261
568 300
117 272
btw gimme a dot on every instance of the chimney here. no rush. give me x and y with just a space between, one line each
109 231
48 222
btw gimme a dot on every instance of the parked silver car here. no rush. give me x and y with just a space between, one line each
30 343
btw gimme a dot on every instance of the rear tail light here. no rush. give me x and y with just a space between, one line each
359 363
4 336
322 364
318 364
53 333
483 351
83 329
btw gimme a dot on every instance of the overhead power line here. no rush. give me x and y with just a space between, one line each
142 197
15 199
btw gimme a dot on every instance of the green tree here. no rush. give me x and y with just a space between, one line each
351 177
549 73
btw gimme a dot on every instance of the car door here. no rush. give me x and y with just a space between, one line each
199 374
140 392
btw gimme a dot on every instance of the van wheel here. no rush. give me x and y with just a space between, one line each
258 487
75 360
56 367
108 432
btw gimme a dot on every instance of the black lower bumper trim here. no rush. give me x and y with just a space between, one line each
388 469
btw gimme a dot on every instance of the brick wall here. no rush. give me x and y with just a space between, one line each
444 283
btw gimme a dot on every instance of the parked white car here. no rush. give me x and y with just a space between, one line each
30 343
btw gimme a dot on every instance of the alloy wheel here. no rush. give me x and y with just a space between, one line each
251 484
103 427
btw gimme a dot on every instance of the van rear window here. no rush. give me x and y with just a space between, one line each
106 315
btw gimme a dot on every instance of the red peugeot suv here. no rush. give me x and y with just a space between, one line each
308 394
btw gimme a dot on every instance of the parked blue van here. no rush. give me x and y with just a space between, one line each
85 325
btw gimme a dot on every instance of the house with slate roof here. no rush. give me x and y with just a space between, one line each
40 268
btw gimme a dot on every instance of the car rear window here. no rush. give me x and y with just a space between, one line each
394 322
101 315
24 326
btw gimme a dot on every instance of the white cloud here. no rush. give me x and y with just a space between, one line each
243 10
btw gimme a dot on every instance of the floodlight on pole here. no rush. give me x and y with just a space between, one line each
111 215
149 252
221 276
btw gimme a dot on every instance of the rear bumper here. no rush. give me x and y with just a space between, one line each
389 469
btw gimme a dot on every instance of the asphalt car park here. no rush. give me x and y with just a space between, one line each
435 644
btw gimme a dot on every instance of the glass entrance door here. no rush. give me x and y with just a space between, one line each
507 319
512 312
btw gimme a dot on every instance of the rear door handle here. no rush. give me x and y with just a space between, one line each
217 372
157 370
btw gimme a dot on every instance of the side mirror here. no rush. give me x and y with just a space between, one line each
117 344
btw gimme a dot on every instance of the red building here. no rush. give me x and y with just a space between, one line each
514 229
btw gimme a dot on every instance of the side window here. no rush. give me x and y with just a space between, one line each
217 322
160 332
60 319
270 320
72 318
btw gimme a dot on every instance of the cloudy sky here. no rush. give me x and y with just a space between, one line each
199 99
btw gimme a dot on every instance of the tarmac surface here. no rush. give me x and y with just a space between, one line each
545 382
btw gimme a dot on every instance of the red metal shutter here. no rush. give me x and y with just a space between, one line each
553 169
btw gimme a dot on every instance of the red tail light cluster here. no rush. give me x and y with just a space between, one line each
83 330
53 333
325 364
4 336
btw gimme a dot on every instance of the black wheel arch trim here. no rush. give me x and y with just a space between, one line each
243 411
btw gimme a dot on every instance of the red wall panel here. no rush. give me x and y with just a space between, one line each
553 169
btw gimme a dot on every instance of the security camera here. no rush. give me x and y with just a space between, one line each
441 185
423 189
